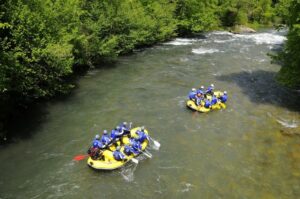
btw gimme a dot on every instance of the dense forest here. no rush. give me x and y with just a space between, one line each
45 43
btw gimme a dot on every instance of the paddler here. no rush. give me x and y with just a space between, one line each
118 155
223 97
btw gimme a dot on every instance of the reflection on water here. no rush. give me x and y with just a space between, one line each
249 150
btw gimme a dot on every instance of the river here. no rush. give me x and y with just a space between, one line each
249 150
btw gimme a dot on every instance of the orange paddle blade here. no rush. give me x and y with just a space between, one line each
80 157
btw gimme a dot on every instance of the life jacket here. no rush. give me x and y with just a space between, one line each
124 127
118 155
192 95
141 136
94 152
198 100
209 90
115 134
97 144
136 146
214 100
105 139
128 150
207 104
223 98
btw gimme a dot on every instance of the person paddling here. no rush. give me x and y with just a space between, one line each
95 151
201 90
223 98
118 155
136 146
96 142
214 100
207 104
125 128
128 150
142 136
210 90
116 133
199 98
105 139
192 94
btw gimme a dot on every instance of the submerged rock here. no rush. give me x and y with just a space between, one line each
238 29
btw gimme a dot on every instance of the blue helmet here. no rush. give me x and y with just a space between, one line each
95 144
199 92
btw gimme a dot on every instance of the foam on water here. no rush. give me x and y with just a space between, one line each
202 51
127 172
180 42
221 33
287 124
224 41
186 187
263 38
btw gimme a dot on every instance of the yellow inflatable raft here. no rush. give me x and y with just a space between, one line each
192 105
109 162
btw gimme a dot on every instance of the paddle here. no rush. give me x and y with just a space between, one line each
156 143
134 160
80 157
149 155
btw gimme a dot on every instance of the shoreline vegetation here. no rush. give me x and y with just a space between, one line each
46 44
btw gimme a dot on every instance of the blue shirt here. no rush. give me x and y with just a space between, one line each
136 146
192 95
105 139
115 134
124 127
118 155
214 100
128 150
223 98
97 144
142 136
207 104
209 90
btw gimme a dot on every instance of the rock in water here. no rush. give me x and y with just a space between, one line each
242 29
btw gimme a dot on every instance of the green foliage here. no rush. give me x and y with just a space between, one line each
196 16
289 74
242 12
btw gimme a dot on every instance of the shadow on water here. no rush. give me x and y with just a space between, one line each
261 87
23 124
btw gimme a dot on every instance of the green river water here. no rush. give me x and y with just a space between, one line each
249 150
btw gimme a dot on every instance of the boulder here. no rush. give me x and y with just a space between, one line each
238 29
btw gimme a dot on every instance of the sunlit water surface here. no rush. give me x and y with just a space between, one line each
249 150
